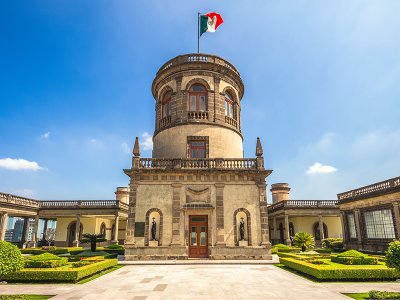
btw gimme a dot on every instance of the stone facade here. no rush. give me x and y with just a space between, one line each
371 216
220 189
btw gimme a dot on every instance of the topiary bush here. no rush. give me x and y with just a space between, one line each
332 243
11 259
393 255
354 257
45 260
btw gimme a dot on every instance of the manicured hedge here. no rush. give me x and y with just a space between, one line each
383 295
358 260
60 275
331 273
56 251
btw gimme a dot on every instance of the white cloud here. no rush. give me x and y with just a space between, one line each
46 135
318 168
125 148
28 193
147 141
93 141
17 164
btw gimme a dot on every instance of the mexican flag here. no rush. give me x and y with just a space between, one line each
210 22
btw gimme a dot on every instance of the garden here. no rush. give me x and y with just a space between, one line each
333 263
53 264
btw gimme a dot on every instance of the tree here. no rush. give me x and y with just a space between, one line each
50 235
11 259
393 255
93 239
304 240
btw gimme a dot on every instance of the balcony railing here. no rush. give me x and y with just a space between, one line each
370 190
230 121
164 122
198 115
203 58
83 204
303 204
17 200
190 164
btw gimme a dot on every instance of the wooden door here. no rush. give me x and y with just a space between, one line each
198 237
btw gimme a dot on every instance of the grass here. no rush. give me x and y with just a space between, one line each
358 296
26 297
97 275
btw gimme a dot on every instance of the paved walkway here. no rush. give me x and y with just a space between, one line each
198 282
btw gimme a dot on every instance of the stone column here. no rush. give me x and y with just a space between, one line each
275 230
287 237
176 213
396 218
116 228
358 227
344 234
217 80
3 228
77 231
263 215
46 221
24 230
130 223
35 229
219 210
321 228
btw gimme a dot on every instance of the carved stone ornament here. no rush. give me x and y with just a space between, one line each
198 193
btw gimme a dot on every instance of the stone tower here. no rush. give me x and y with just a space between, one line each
197 101
197 196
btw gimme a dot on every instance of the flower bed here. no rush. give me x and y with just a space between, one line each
62 274
338 272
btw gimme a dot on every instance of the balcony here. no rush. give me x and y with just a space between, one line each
303 204
383 187
164 122
18 201
231 121
198 115
199 164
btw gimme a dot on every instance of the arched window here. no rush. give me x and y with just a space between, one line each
166 105
229 106
103 229
291 229
197 98
281 234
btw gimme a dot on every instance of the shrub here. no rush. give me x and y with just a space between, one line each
332 243
304 240
393 255
92 239
82 263
281 246
326 250
324 272
383 295
352 253
11 259
45 260
353 257
60 275
115 247
53 250
14 297
316 262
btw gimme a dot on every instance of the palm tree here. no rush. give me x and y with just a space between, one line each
93 239
304 240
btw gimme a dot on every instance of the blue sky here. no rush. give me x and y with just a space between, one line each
322 85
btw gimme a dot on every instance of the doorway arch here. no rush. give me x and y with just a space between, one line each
71 233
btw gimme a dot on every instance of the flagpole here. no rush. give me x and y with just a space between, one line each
198 32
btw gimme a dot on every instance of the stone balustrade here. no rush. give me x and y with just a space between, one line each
18 201
198 115
196 57
83 204
230 121
164 122
370 190
303 204
192 164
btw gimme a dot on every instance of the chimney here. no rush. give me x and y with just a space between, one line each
280 192
122 194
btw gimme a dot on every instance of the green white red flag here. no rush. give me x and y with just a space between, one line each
210 22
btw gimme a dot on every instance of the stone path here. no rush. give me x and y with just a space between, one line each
198 282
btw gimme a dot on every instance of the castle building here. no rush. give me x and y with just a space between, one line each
197 197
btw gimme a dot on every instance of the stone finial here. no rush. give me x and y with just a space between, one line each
259 149
136 147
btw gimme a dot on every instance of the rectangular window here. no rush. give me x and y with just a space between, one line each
379 224
226 108
352 226
192 103
202 105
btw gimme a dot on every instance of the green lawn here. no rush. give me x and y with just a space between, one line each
358 296
25 297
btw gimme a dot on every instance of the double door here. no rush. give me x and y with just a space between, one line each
198 236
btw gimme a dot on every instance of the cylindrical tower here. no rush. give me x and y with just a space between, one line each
280 192
197 108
